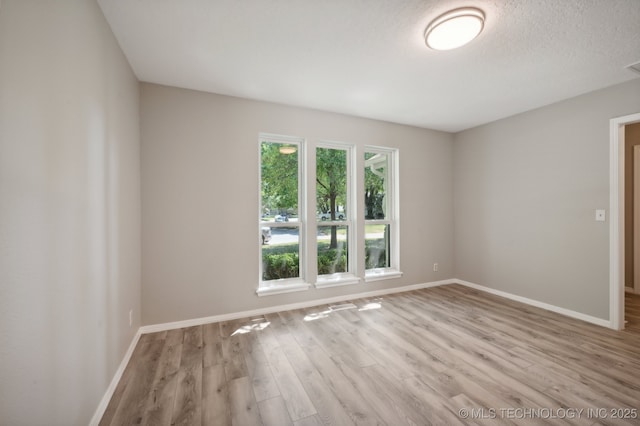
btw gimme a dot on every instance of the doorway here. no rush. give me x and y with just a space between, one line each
618 240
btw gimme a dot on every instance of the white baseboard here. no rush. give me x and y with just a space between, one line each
538 304
308 304
272 309
104 402
629 290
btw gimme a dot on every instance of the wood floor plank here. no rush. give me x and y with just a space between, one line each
244 408
399 362
262 380
187 408
274 412
136 364
329 408
385 399
296 399
296 322
484 417
212 345
632 312
330 335
334 326
192 346
583 381
413 358
131 406
309 421
160 402
216 409
357 408
233 350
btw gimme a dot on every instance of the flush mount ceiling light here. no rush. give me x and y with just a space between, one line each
454 28
288 149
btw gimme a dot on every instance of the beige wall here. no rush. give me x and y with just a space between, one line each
522 197
525 193
200 199
631 138
69 210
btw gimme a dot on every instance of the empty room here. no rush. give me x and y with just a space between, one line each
277 212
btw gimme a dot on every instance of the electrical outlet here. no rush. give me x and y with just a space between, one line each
435 267
131 318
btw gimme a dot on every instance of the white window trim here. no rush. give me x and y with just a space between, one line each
336 280
308 224
350 277
379 274
393 217
282 286
289 284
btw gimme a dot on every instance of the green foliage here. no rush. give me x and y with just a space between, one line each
374 186
279 178
283 261
331 179
375 254
283 265
330 260
279 188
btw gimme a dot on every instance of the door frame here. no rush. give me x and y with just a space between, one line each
616 224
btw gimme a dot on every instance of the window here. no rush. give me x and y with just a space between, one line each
334 231
380 214
311 229
281 217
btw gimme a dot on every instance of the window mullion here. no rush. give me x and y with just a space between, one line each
358 189
311 265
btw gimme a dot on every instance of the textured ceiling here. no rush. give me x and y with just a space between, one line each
368 58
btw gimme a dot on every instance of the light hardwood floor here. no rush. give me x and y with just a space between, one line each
414 358
632 312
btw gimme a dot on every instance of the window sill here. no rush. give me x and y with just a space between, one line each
286 287
336 280
381 274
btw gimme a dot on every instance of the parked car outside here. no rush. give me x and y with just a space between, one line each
327 216
266 234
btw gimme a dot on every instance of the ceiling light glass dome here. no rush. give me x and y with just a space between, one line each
454 28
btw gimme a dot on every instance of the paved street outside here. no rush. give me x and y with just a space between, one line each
290 235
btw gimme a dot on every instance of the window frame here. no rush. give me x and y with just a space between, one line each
350 221
355 221
285 285
392 215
